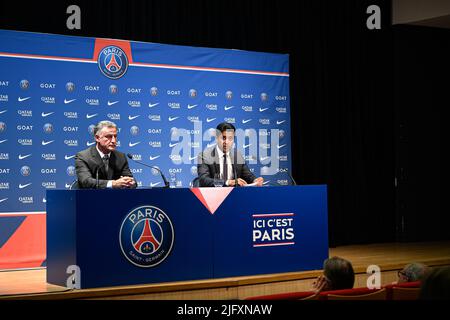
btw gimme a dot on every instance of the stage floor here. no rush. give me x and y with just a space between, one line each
390 257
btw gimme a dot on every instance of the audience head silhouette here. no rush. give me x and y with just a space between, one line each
339 273
436 285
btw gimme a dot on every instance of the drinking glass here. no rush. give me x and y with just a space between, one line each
218 180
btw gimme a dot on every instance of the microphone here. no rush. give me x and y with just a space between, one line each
166 183
291 177
96 174
236 184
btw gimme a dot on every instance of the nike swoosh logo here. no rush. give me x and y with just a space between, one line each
190 106
283 145
44 143
209 120
210 145
1 200
132 117
90 143
69 101
262 109
171 145
3 111
88 116
192 158
173 118
1 141
245 146
228 108
280 122
22 99
111 103
153 158
132 144
69 157
245 121
21 186
151 105
265 182
67 186
263 158
43 114
21 157
154 184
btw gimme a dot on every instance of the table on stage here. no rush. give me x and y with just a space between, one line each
112 237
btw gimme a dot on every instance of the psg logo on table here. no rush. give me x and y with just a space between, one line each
113 62
146 236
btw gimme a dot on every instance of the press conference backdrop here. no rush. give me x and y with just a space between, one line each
164 99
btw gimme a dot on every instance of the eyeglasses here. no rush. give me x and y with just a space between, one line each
402 274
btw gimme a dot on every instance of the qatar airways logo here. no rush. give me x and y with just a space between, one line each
50 100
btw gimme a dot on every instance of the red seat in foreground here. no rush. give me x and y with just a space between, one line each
354 294
284 296
403 291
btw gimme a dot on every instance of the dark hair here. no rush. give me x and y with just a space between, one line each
436 285
339 272
224 126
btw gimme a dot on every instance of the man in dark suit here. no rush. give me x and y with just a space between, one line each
103 159
217 165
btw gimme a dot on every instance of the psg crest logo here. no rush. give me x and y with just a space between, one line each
146 236
113 62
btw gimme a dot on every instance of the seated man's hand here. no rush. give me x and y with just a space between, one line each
259 181
321 284
240 181
123 182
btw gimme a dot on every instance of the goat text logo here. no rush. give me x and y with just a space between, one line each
113 62
146 236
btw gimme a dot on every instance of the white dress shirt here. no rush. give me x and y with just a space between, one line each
229 164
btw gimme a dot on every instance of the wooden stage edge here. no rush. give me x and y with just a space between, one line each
390 257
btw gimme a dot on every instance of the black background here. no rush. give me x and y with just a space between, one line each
366 105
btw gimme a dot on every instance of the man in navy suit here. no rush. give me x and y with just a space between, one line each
104 161
217 165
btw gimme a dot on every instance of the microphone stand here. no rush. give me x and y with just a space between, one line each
166 183
236 184
96 175
292 178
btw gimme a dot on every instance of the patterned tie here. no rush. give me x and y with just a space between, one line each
225 168
106 162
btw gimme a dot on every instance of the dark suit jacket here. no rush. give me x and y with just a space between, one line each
209 164
88 161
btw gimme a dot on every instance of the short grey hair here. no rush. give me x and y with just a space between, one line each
102 124
415 271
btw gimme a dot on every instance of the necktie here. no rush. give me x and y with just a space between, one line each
225 168
106 162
